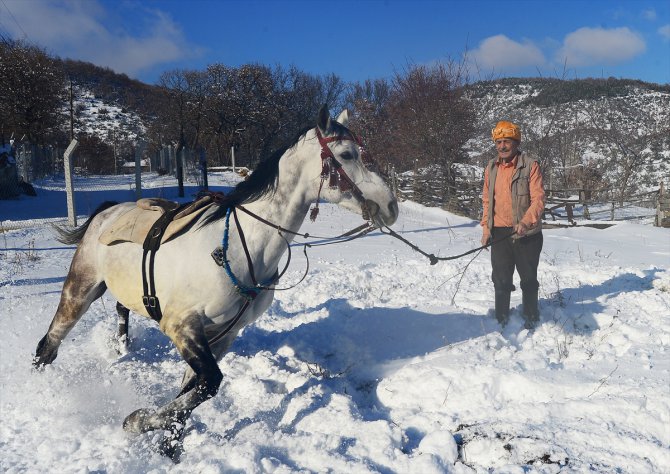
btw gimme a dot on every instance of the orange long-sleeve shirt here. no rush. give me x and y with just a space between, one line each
502 212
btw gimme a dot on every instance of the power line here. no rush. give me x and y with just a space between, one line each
25 35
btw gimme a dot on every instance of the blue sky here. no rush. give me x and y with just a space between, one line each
356 40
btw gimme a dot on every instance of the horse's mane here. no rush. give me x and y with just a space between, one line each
262 181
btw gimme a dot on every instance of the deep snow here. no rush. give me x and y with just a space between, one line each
377 362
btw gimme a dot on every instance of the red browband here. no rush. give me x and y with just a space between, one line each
332 169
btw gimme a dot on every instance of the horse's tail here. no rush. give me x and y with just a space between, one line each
74 236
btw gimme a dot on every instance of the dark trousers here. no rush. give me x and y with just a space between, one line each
522 254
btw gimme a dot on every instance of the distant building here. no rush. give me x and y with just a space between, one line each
128 167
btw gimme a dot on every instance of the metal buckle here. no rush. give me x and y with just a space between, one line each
149 301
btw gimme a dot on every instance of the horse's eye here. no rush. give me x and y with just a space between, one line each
347 155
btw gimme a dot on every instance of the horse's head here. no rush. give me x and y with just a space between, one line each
347 174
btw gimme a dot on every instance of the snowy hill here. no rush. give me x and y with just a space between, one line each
613 126
377 363
106 120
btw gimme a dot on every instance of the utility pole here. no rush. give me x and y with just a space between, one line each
238 132
116 171
71 112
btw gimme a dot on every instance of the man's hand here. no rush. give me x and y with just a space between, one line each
486 236
521 229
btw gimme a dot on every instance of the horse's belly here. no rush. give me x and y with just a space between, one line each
123 275
183 285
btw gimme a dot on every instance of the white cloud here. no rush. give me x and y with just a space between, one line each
595 46
664 31
649 14
81 29
501 53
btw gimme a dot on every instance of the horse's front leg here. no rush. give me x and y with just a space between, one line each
189 336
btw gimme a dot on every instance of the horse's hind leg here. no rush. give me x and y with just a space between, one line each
79 291
124 317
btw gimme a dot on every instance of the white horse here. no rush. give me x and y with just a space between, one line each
203 305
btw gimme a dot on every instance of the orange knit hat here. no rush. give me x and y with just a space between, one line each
506 130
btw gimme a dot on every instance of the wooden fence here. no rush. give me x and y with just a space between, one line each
579 205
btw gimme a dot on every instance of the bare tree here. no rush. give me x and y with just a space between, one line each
369 103
627 137
32 91
430 122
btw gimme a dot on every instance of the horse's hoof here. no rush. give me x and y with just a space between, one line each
45 354
136 422
120 344
171 445
39 362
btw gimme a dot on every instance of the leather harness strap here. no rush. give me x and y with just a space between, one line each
243 240
152 243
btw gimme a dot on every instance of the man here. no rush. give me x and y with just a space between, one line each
513 202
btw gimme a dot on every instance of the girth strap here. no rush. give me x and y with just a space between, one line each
152 243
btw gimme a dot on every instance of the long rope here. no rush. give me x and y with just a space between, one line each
433 259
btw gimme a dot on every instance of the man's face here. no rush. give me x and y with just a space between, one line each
507 148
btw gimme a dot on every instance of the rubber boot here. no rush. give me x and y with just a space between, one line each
531 313
502 307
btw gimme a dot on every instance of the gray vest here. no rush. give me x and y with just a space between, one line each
520 190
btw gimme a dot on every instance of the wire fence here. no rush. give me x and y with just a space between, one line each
33 188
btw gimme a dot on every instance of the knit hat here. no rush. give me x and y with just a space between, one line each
506 130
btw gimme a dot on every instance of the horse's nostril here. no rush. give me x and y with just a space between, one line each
372 208
393 209
382 218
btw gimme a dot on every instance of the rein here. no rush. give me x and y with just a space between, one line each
433 259
305 235
250 292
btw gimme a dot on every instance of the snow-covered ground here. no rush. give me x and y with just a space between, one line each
376 362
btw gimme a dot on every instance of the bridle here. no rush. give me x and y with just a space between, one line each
338 178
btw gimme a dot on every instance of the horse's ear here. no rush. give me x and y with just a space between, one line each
324 118
343 118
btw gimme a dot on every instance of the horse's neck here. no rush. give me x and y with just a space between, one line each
287 207
287 214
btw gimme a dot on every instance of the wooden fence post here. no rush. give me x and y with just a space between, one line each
582 198
69 188
662 209
568 211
